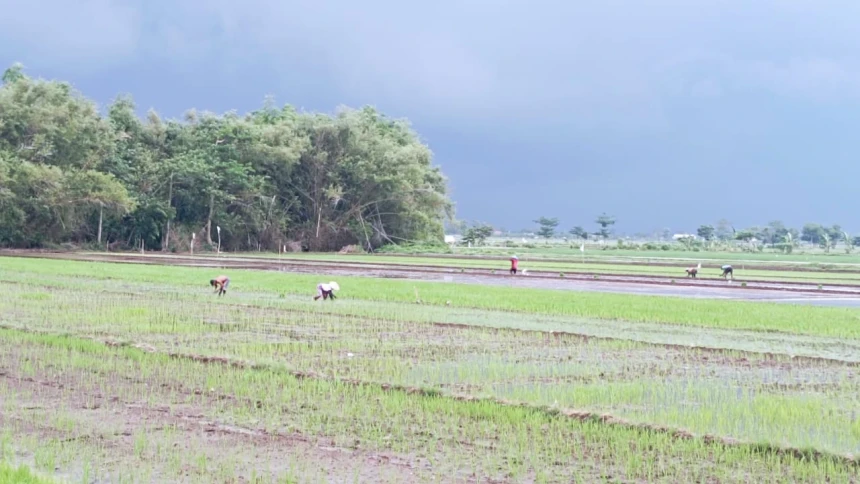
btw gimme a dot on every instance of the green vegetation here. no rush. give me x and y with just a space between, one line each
272 178
484 439
503 384
774 238
20 475
811 320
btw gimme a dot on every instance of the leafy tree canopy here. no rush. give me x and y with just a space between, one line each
272 176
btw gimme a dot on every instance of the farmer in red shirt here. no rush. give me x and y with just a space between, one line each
514 262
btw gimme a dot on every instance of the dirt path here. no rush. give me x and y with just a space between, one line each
789 292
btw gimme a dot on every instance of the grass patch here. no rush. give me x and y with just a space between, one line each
10 474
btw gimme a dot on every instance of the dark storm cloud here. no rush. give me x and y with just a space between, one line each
574 107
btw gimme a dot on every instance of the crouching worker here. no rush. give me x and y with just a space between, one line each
220 284
692 271
514 262
326 290
727 271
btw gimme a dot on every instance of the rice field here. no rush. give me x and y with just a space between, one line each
126 373
668 268
805 254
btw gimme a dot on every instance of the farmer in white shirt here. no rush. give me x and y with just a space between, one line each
326 290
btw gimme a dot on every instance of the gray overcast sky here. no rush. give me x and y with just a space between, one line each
664 113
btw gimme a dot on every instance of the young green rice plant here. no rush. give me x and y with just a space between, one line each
392 343
836 322
341 411
21 474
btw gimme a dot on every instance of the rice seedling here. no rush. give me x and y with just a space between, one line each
400 422
173 283
128 367
20 475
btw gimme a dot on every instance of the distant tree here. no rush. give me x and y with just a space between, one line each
579 233
825 243
724 230
14 73
605 222
547 227
686 241
835 233
788 241
763 234
812 233
706 232
746 235
477 234
777 231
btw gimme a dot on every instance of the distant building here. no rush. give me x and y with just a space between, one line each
684 236
450 239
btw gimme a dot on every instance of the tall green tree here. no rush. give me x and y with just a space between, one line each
605 222
266 178
477 234
579 233
813 233
706 232
546 227
724 230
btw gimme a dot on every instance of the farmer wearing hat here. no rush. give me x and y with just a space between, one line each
326 290
514 261
727 271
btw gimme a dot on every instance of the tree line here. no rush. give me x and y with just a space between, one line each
775 234
479 232
259 181
779 236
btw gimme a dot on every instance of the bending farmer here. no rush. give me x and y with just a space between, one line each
326 290
220 284
692 271
514 261
727 271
